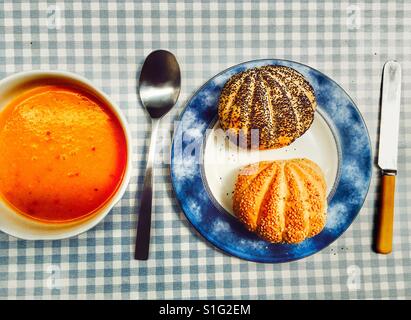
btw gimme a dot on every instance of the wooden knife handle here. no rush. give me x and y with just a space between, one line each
385 228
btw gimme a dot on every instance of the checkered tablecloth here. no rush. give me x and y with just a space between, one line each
107 42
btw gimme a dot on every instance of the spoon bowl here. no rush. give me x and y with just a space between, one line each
159 83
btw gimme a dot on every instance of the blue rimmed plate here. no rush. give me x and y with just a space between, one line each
204 166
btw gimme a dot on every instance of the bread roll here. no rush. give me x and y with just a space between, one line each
275 100
282 201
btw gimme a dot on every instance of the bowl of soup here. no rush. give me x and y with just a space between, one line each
65 152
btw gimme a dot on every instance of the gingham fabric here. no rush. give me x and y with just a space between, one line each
107 43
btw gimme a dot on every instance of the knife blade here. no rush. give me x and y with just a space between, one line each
388 152
390 116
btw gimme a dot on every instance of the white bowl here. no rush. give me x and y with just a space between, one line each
17 225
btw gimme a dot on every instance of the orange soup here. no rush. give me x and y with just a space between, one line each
63 153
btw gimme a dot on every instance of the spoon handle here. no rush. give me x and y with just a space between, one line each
144 214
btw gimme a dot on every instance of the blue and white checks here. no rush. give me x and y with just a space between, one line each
107 42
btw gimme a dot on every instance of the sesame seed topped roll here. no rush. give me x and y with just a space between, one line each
282 201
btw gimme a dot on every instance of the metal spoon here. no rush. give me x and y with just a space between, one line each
159 88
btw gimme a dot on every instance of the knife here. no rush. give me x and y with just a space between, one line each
388 152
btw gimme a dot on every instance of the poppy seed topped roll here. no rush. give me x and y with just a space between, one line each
276 100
